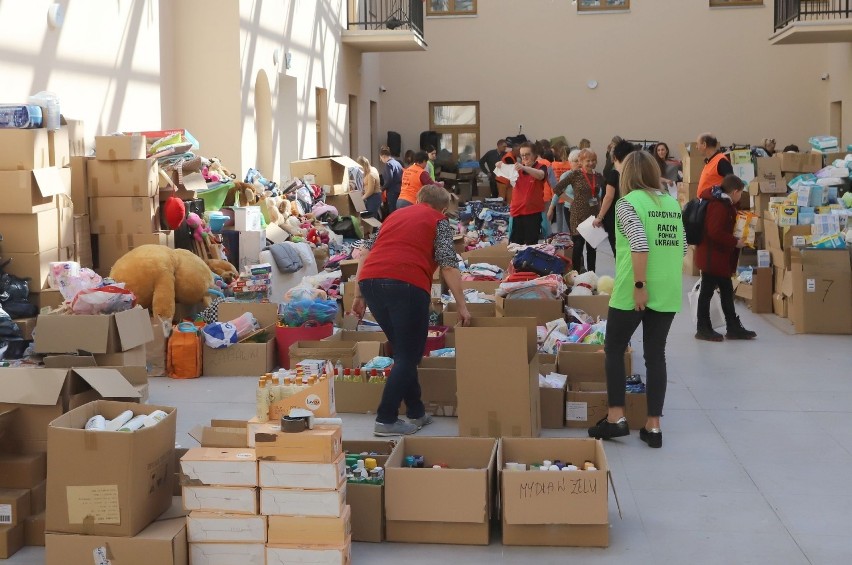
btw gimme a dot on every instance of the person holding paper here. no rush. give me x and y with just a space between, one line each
648 290
527 197
588 185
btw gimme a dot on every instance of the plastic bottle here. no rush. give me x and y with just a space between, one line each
49 103
357 378
21 116
347 375
274 391
338 368
154 418
134 424
262 401
370 463
117 422
97 423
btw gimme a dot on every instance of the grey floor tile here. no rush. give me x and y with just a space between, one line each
778 477
713 548
672 473
730 398
825 550
809 514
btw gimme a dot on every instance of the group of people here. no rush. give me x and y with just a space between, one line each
398 183
631 201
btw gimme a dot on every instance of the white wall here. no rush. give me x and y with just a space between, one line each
103 62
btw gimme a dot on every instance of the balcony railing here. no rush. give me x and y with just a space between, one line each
388 14
790 11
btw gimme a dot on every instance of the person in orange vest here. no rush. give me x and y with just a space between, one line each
414 178
717 164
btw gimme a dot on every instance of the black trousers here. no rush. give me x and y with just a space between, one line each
577 254
526 230
492 182
709 284
655 330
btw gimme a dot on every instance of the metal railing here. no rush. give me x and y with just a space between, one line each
387 14
789 11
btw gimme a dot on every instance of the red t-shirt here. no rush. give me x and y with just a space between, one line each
528 194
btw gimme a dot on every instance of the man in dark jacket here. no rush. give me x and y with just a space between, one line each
717 257
489 162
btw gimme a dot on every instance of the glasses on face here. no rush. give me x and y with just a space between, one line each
526 155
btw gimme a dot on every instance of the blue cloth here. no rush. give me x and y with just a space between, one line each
393 180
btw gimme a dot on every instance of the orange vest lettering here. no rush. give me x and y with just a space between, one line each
411 183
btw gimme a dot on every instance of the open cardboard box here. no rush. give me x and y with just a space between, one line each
568 508
367 502
99 333
330 171
498 355
758 294
29 192
221 433
249 357
543 310
585 362
451 316
821 299
596 306
497 255
586 403
451 505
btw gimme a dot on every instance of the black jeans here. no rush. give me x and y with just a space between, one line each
655 329
577 257
492 182
609 226
393 196
526 230
709 284
402 311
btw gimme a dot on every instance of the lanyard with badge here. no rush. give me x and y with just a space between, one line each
593 186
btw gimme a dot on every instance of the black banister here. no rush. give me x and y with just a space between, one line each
389 14
790 11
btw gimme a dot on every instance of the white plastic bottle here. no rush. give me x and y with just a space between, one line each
96 423
262 401
134 424
154 418
117 422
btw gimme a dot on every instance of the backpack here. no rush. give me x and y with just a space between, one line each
534 261
693 220
183 353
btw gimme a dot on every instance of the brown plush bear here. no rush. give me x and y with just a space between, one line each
247 195
224 269
160 277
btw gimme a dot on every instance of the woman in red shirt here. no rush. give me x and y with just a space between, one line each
527 197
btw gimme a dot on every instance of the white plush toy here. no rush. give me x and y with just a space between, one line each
584 284
605 284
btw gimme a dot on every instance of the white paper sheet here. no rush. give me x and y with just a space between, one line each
593 236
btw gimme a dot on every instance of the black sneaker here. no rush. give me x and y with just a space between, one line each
708 334
737 331
607 430
652 438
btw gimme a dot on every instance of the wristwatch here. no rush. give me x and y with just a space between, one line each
639 284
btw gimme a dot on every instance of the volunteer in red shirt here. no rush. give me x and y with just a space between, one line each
413 179
395 281
717 164
527 197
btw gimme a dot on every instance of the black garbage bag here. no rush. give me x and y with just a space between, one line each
12 288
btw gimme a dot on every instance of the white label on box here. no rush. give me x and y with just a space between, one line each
576 411
798 241
764 259
436 291
5 514
811 285
98 501
100 556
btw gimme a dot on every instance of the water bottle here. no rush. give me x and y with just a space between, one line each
49 103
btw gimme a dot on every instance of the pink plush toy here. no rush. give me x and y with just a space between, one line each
200 231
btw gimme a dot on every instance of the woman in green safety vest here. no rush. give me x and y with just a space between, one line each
650 245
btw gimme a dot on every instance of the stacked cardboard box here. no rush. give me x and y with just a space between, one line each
123 189
37 227
105 490
22 501
367 500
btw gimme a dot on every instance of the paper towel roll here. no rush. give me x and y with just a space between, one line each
61 270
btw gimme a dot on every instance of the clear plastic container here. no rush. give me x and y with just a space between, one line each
21 116
49 103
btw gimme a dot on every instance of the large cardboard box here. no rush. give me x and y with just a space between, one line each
322 444
98 333
769 169
758 294
451 505
543 310
24 149
163 543
693 162
251 357
586 403
586 363
112 246
38 497
218 527
780 240
800 162
219 466
303 502
22 471
30 233
302 530
554 509
34 530
124 214
348 204
822 291
11 540
226 553
328 171
139 177
14 505
105 483
367 502
498 355
33 266
596 306
28 192
236 500
120 147
498 255
438 385
39 396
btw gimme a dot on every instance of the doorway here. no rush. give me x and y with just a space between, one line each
322 121
835 121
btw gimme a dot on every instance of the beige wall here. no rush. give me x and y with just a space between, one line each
839 85
666 70
103 62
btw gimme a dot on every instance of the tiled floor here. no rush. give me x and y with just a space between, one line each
755 466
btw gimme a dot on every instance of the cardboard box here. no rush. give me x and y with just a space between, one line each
779 305
758 294
76 135
298 502
319 445
800 162
139 178
498 355
134 357
112 246
42 395
584 362
497 255
22 471
59 148
124 214
331 171
301 530
24 149
221 553
221 433
26 325
28 192
318 554
234 500
163 543
586 403
83 241
225 528
33 266
11 540
38 497
348 269
367 502
438 385
80 184
451 317
596 306
822 291
351 204
554 509
451 505
689 267
219 466
34 530
768 169
552 407
99 333
246 358
542 310
350 354
693 162
120 147
285 474
123 483
14 506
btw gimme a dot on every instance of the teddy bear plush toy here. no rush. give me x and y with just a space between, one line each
224 269
160 277
584 284
241 194
606 284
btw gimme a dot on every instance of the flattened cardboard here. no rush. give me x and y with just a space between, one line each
235 500
24 149
323 444
120 147
299 502
220 466
225 528
99 333
285 474
222 553
125 479
301 530
59 147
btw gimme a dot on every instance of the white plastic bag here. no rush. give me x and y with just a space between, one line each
717 316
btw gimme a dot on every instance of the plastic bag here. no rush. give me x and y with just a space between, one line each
12 288
298 313
87 279
107 299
